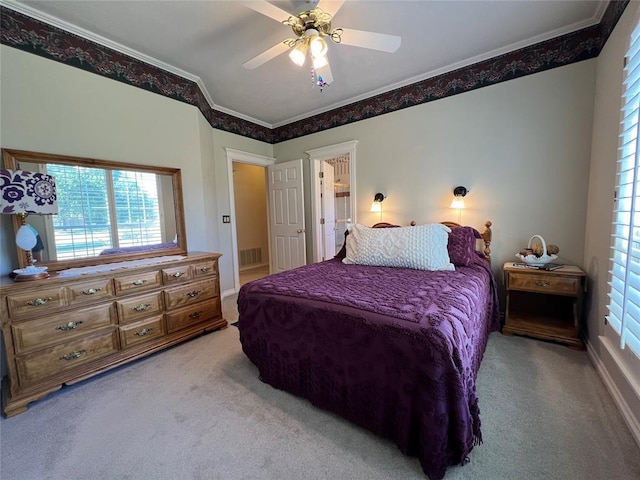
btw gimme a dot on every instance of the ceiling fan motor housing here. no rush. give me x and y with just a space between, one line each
311 19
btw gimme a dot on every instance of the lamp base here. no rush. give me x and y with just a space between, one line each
30 273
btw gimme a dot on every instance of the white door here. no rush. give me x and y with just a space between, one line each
286 208
328 220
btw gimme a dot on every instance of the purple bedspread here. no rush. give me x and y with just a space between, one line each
393 350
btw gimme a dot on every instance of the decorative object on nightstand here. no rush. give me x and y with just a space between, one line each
544 304
23 193
538 253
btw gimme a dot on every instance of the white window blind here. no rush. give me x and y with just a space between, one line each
624 296
102 209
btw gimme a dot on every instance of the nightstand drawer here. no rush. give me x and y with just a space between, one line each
541 283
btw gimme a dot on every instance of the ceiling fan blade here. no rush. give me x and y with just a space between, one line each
330 6
375 41
269 10
265 56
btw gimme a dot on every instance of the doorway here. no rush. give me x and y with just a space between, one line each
251 221
330 216
239 158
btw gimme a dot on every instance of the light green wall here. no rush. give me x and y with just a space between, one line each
521 148
46 106
620 369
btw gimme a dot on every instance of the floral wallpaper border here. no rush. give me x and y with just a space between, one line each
30 35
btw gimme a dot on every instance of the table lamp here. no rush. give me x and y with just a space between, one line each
23 193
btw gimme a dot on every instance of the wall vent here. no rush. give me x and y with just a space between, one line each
251 256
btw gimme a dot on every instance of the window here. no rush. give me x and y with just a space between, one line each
104 209
624 303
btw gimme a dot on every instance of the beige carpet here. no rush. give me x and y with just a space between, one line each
198 411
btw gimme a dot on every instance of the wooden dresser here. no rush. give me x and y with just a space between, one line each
65 329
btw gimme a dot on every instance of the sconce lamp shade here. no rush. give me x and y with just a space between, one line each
27 192
376 205
458 197
457 203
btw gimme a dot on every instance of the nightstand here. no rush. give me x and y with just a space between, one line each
544 304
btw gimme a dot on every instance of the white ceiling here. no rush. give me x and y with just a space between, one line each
209 40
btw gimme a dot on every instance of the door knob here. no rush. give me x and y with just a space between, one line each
300 230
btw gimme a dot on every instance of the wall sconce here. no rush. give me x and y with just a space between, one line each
23 193
376 205
458 200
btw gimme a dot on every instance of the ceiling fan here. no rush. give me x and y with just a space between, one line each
311 28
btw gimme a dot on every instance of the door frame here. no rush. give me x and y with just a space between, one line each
251 159
315 156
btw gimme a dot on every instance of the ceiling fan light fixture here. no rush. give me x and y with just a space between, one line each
299 53
319 62
318 46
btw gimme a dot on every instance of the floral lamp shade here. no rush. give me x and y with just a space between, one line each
27 192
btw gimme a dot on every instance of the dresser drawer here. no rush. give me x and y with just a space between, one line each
139 332
61 327
90 291
59 358
176 274
204 269
554 284
192 315
189 294
137 308
44 301
138 282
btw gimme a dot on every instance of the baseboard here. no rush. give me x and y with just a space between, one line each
251 267
630 419
228 293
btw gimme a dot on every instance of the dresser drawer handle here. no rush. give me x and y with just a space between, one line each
542 283
38 301
142 307
137 283
195 293
73 355
69 326
205 269
91 291
143 332
195 314
177 274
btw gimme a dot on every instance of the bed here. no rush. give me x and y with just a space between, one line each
394 350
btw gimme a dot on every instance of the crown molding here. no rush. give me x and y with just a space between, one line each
594 20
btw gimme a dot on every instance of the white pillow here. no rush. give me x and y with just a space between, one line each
423 247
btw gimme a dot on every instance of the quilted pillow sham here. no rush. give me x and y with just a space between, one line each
462 245
422 247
